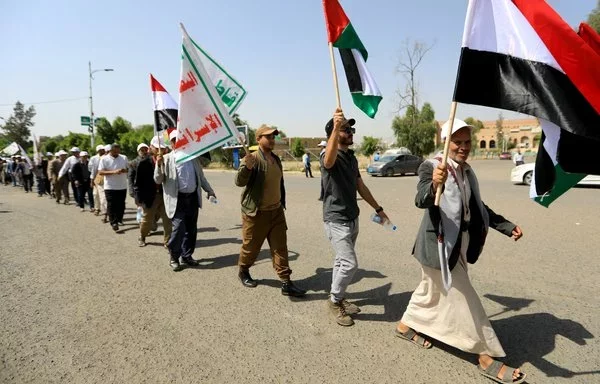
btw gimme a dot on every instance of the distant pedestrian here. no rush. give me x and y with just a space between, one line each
306 163
114 169
83 181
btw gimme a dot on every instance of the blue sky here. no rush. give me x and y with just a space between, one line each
276 48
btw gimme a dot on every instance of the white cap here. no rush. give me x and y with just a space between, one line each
458 124
75 149
107 147
49 154
157 142
323 143
83 153
141 145
173 135
99 147
61 152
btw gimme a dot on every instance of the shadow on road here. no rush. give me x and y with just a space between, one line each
232 260
200 243
509 303
208 229
529 338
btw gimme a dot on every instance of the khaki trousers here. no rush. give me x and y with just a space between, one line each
151 215
270 225
101 196
62 187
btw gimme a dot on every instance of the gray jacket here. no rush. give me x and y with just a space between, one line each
167 175
482 217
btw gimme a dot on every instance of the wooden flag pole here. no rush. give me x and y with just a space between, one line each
335 78
438 192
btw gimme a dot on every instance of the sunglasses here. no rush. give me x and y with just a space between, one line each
350 130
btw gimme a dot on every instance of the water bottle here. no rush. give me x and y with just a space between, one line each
386 224
213 200
138 216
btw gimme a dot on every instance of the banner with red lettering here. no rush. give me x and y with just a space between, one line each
204 122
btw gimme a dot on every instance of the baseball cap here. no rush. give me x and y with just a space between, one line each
458 124
323 143
329 125
61 152
99 147
157 142
75 149
141 145
107 147
266 130
83 153
49 154
173 135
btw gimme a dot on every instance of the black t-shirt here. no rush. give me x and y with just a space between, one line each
339 186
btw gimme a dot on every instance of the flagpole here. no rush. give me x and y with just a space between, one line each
438 193
335 78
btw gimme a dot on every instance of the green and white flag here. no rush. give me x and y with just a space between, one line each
203 120
231 91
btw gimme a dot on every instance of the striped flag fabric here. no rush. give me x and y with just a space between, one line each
520 55
165 109
340 32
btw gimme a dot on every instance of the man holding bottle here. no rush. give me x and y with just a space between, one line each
341 180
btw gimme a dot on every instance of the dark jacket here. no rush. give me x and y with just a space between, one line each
144 187
131 173
254 181
81 173
425 249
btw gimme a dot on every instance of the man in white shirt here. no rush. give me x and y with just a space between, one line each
519 158
65 171
93 168
114 169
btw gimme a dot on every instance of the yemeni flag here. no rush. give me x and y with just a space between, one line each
165 109
521 56
341 34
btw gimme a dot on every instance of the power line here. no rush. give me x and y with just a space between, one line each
48 102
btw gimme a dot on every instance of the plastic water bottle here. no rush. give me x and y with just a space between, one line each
213 200
386 224
139 214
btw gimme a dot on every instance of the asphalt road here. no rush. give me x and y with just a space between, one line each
81 304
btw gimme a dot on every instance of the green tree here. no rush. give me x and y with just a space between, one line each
111 133
500 132
369 145
17 126
297 148
478 125
79 140
594 18
131 139
416 130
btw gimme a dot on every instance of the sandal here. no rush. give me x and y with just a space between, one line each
492 371
408 336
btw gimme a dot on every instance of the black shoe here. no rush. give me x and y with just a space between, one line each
115 227
289 289
247 280
175 265
189 261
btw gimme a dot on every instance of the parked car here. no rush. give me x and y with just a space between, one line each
390 165
505 156
522 174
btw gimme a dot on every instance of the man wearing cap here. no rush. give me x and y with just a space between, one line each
149 195
45 178
97 189
263 217
182 193
59 186
445 305
142 151
114 169
82 180
66 171
341 180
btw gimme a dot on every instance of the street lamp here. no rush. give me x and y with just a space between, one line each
91 100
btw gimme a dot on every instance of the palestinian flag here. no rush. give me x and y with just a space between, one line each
165 108
341 34
519 55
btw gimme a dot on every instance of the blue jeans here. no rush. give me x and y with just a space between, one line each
185 226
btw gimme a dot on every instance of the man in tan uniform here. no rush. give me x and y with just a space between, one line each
59 186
